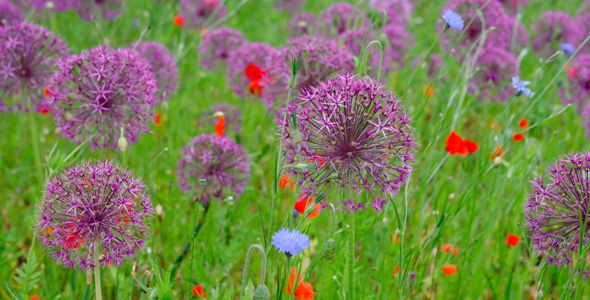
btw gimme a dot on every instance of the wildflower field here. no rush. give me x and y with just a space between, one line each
292 149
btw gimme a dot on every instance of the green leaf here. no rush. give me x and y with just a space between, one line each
27 276
249 291
14 294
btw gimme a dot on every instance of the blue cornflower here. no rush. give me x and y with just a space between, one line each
568 48
453 20
521 88
290 242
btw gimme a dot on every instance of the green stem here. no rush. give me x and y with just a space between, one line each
193 245
351 260
36 152
88 283
97 275
247 265
425 58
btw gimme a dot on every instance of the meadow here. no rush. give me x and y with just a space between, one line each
451 224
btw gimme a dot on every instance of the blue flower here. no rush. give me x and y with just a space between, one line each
521 88
568 48
453 20
290 242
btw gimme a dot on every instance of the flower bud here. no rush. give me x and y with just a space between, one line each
497 161
261 293
122 142
218 114
329 249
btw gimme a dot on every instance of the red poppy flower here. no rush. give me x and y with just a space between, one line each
284 181
304 202
497 153
303 290
429 92
199 292
512 240
457 145
396 270
158 119
179 21
449 270
220 127
257 77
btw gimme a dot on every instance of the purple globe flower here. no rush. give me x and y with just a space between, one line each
304 23
398 39
28 54
163 65
402 8
232 116
202 13
289 6
341 17
552 29
576 91
9 13
218 161
217 45
290 242
553 210
355 136
95 208
100 91
108 9
506 30
496 69
512 6
54 5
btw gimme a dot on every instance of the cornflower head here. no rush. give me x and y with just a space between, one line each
28 55
201 13
496 68
216 46
577 89
521 88
403 9
100 91
9 13
567 48
290 242
453 20
162 64
341 17
289 6
106 9
354 136
231 115
94 208
552 29
218 161
555 211
303 23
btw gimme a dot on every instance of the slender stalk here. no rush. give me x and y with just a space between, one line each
247 265
97 275
88 283
193 246
36 151
351 260
434 43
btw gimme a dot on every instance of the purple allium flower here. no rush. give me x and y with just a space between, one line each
28 55
507 30
553 209
521 88
217 45
357 138
163 65
289 6
55 5
94 206
583 21
9 13
398 38
304 23
100 91
402 8
290 242
232 116
453 20
202 13
552 29
256 54
90 10
577 88
496 68
512 6
341 17
220 162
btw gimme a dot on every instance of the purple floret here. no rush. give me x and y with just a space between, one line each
28 55
163 65
216 47
557 204
202 13
94 206
496 69
100 91
220 162
356 137
552 29
9 13
107 9
402 9
340 17
289 6
304 23
232 116
576 91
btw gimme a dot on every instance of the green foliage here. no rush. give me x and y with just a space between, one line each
27 276
13 293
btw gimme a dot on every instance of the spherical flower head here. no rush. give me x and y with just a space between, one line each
304 23
232 116
220 162
496 69
403 9
95 207
341 17
216 46
453 20
289 6
521 87
106 9
552 211
9 13
54 5
398 39
356 137
508 29
552 29
201 13
290 242
28 55
163 65
512 6
583 23
100 91
577 89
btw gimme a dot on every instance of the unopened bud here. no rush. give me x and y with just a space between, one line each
451 196
159 209
202 181
329 250
122 142
383 40
164 106
261 293
497 161
218 114
49 5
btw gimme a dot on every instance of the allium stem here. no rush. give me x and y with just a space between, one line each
192 241
97 275
351 260
247 265
36 151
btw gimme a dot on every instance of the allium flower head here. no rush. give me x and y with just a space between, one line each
232 116
356 137
289 6
220 161
94 207
100 91
453 20
54 5
290 242
216 46
9 13
512 6
341 17
402 9
202 13
108 9
577 89
398 39
552 29
28 54
163 65
521 88
554 208
304 23
496 68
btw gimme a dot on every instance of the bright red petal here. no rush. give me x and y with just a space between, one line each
220 127
523 123
470 145
454 144
253 72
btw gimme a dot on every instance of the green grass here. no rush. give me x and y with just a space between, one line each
464 201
